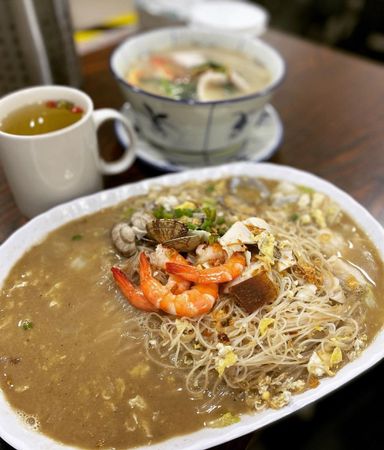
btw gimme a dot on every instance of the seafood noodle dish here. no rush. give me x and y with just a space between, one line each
185 308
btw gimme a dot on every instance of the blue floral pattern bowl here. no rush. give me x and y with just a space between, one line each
212 131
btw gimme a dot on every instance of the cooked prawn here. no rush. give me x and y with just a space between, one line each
223 273
161 257
213 254
191 303
132 293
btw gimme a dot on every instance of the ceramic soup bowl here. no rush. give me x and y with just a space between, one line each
190 131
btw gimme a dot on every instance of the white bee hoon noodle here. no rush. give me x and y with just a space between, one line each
316 324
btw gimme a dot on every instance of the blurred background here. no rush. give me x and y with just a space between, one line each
353 25
41 40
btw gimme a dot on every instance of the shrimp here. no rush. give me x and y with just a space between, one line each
161 257
191 303
135 295
223 273
213 254
132 293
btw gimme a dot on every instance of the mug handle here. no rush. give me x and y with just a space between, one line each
111 168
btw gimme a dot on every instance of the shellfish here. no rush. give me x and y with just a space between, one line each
163 230
172 233
123 238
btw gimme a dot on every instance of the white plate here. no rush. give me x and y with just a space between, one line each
14 431
265 139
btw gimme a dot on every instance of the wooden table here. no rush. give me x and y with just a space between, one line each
332 108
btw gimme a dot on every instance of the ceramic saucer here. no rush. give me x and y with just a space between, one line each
262 144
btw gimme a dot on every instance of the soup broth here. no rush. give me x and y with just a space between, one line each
202 74
84 366
41 118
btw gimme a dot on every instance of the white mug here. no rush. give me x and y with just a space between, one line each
46 169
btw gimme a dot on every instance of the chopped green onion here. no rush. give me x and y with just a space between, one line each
213 238
224 420
179 90
25 324
209 65
161 213
181 212
294 217
77 237
210 213
167 88
230 88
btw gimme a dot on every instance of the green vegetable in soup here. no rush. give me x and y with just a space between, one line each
195 73
178 90
224 421
25 324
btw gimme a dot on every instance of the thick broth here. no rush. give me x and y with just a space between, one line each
71 348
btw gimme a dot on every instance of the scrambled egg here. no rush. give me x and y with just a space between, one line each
264 324
226 358
319 365
336 356
137 402
318 217
266 243
316 365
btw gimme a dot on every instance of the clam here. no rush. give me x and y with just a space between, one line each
163 230
184 243
174 234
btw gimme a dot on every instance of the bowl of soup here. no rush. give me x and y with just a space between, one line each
195 94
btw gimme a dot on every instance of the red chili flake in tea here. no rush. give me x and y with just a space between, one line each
77 110
51 104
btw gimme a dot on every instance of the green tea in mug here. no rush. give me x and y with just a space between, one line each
41 117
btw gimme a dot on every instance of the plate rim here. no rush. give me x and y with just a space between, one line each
31 233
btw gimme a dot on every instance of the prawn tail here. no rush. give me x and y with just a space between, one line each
130 292
188 273
125 285
145 267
